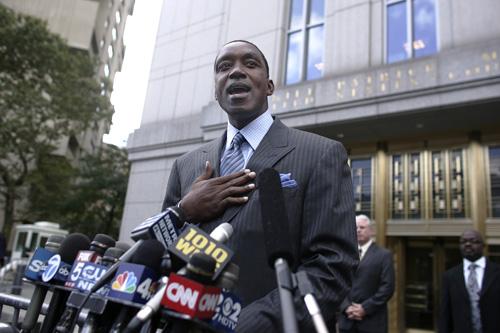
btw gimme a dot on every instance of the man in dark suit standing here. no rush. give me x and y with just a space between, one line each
365 308
215 184
470 298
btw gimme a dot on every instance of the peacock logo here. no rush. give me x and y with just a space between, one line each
125 282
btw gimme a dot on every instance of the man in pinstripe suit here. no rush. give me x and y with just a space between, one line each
317 187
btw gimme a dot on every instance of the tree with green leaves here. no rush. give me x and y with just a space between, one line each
48 92
89 199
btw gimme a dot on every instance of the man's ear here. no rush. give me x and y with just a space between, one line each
270 87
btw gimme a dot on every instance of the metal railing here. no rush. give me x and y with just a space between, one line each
17 303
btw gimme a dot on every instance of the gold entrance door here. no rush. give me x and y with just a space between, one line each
426 261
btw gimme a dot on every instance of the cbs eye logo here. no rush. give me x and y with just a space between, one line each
227 307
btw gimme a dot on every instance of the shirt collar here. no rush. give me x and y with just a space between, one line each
254 132
481 263
365 247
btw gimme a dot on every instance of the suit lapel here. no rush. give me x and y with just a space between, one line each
487 278
370 251
274 146
212 153
461 282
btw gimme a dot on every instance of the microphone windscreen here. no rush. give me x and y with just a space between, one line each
222 233
122 245
111 255
71 245
101 242
274 217
149 254
202 263
229 277
53 243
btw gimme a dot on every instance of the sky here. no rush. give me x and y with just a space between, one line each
131 83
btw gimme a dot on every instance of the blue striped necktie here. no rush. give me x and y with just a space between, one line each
233 159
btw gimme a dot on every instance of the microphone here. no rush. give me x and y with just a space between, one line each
306 290
194 240
110 273
275 225
156 227
97 303
86 270
122 245
164 227
112 255
98 246
189 294
135 282
57 272
87 267
32 271
220 234
229 305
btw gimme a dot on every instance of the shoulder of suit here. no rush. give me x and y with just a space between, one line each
214 144
380 249
493 265
313 141
455 269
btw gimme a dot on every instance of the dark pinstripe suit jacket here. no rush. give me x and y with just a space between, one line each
321 222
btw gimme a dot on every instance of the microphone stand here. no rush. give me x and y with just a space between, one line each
285 288
306 291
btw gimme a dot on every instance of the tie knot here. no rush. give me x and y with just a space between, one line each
472 267
238 140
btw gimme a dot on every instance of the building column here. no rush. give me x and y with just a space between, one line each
477 183
396 322
381 192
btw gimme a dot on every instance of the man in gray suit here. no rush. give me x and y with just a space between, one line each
365 309
215 184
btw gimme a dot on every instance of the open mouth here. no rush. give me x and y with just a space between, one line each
238 89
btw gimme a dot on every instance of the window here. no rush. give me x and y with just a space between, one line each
411 29
106 70
110 51
361 169
494 163
428 184
447 171
114 34
21 241
406 186
305 41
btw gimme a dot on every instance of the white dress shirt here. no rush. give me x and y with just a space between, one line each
364 248
254 132
481 266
